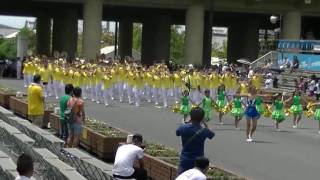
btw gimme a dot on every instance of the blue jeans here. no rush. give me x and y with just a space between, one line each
64 130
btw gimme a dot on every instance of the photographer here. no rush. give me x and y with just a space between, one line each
126 156
193 136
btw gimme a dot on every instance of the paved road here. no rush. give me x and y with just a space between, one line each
292 154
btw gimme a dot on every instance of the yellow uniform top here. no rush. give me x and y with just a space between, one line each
106 82
234 82
77 79
85 78
35 100
226 80
26 68
244 89
122 73
149 78
138 81
256 81
214 81
45 74
156 81
177 80
165 81
205 82
57 74
130 78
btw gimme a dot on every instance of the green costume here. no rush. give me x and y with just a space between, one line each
259 105
296 107
185 105
207 107
237 110
317 113
278 112
221 100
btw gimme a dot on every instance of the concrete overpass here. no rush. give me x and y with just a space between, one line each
243 18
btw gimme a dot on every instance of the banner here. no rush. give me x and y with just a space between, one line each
308 62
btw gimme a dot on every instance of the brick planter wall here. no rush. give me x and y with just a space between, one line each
158 169
5 99
46 117
19 106
85 138
55 122
105 147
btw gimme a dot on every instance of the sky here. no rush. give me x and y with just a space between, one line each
14 21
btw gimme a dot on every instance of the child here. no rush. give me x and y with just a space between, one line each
237 110
317 114
251 113
185 105
296 108
207 106
278 113
221 103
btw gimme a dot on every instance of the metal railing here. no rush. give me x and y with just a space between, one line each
263 60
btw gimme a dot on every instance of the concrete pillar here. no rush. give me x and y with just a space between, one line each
156 40
125 38
243 40
43 28
92 29
291 25
194 34
65 32
207 39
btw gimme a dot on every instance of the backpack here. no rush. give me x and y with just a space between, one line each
69 113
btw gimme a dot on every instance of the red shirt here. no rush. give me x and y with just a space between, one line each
77 109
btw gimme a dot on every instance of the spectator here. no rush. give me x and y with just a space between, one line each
275 82
126 156
24 167
317 89
36 102
295 64
198 172
193 137
19 68
75 128
269 81
312 87
63 106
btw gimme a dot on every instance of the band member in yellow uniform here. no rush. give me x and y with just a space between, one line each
148 85
107 87
45 77
214 84
130 79
138 86
177 79
26 72
165 85
156 87
98 88
121 81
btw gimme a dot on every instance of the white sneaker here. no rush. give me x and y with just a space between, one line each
149 101
25 86
294 126
249 140
279 130
92 100
221 123
112 98
106 104
98 102
57 97
319 132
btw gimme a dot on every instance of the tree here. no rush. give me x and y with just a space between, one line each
220 52
177 42
137 37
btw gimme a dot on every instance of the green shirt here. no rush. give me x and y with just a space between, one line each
63 105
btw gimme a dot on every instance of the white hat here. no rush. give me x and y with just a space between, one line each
190 66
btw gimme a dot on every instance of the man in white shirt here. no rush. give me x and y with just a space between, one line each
198 172
269 81
126 156
24 167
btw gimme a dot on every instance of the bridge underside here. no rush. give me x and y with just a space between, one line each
243 18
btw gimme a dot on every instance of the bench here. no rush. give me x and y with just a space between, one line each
54 167
87 164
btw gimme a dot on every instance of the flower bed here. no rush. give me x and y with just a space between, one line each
5 94
161 164
102 139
